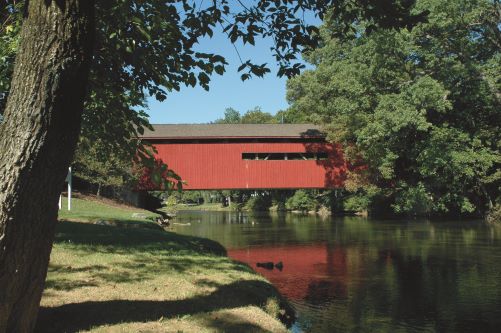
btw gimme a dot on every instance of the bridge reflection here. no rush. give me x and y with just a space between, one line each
316 273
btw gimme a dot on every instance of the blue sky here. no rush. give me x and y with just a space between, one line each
195 105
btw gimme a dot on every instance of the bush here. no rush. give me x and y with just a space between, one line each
258 203
235 206
413 200
357 203
171 201
301 200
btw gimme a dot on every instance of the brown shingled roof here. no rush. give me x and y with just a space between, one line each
167 131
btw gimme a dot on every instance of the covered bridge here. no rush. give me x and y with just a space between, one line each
249 156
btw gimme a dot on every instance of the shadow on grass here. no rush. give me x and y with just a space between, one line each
232 323
68 284
82 316
149 253
101 238
139 268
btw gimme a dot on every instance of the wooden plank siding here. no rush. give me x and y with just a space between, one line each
219 165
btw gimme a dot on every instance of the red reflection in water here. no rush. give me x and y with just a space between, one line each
315 273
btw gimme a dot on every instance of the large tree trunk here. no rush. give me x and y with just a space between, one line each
37 141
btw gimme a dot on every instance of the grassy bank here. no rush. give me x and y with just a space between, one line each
113 279
92 209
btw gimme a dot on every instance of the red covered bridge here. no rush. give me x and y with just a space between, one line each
249 156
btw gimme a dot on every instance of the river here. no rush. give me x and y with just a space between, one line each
358 275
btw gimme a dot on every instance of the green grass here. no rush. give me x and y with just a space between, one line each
115 279
92 210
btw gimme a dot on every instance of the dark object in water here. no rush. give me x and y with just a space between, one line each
266 265
279 265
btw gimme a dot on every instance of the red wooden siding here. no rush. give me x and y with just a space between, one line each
208 166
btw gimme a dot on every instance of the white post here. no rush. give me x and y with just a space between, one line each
69 188
60 201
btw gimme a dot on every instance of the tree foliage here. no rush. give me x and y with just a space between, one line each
257 116
231 116
10 23
420 107
302 200
253 116
97 165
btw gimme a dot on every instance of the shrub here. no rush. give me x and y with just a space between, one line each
301 200
171 201
258 203
413 200
357 203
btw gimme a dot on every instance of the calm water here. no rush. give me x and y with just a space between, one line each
357 275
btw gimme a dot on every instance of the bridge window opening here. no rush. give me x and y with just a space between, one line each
276 157
284 156
309 156
295 156
261 156
248 156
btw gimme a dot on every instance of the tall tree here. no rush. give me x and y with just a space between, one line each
253 116
98 165
257 116
231 116
48 87
420 107
37 140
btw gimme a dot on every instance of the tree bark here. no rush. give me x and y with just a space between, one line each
37 141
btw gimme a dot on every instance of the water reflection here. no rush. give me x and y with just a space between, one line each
355 275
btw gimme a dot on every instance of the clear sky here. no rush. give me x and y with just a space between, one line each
195 105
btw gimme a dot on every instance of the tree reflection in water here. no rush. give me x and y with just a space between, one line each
353 274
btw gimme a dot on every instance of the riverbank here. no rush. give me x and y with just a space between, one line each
218 207
214 207
106 278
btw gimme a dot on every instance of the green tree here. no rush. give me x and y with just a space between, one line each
231 116
301 200
419 108
37 140
97 165
253 116
257 116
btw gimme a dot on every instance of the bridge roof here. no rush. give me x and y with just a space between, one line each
212 131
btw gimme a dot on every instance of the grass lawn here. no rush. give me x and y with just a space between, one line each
114 279
91 209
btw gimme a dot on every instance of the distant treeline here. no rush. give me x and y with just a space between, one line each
318 201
